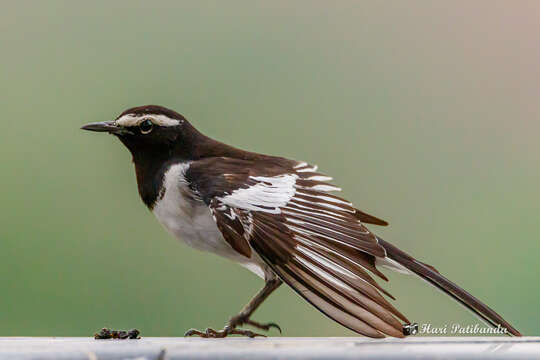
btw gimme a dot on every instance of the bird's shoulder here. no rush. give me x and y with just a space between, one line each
218 176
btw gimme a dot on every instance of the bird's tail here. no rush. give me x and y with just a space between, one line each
431 275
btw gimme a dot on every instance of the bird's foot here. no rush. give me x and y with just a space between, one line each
263 326
240 320
211 333
232 328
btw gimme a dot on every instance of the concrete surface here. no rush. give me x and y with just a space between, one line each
270 348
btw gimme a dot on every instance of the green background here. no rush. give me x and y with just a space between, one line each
425 113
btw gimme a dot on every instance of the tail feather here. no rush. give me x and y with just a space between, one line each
431 275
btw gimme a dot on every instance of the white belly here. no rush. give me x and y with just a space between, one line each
191 221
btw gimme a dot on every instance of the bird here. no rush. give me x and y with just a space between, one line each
278 218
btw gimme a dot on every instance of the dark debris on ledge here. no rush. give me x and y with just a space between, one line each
107 333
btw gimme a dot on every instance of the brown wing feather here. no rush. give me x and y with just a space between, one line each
231 229
335 290
314 241
369 219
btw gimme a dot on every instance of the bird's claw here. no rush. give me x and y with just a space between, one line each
265 327
240 320
211 333
232 329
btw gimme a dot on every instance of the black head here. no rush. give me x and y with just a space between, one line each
149 130
157 137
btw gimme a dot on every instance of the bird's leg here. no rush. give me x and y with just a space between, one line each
243 317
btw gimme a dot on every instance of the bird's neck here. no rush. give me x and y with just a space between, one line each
150 170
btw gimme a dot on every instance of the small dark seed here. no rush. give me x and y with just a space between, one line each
103 334
134 334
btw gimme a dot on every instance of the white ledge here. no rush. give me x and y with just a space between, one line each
27 348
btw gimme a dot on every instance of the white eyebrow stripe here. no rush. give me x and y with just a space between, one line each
134 120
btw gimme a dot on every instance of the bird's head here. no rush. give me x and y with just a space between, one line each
145 130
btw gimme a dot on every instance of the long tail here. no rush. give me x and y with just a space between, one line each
431 275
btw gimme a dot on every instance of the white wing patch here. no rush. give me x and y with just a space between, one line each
269 194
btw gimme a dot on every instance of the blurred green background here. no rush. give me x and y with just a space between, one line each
425 113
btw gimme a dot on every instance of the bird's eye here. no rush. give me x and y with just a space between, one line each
146 126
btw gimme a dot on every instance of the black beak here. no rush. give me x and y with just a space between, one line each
105 126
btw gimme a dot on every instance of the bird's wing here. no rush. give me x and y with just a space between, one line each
313 240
